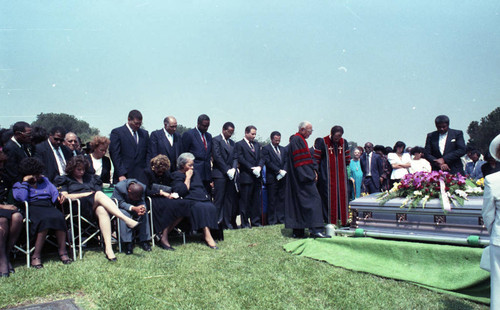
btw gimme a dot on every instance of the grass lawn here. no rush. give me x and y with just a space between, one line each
250 271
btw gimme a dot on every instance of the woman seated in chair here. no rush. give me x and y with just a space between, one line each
41 196
168 211
189 185
100 163
11 222
77 184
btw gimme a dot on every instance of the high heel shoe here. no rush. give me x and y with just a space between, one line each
65 261
109 259
134 225
214 247
36 266
166 247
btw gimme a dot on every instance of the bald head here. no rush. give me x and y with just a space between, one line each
71 141
170 124
135 192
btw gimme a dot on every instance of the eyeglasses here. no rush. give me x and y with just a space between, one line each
59 139
72 141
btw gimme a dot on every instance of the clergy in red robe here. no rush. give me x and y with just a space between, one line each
302 200
332 156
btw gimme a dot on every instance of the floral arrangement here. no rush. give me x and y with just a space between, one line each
419 187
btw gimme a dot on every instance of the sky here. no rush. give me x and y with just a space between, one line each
382 69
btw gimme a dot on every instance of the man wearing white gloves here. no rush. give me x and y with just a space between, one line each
223 175
248 155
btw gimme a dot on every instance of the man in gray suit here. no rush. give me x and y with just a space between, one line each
130 194
223 174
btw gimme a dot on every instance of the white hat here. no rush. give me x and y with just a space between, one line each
494 147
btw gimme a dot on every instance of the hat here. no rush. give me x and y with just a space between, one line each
494 147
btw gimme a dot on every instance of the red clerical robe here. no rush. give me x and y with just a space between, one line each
332 159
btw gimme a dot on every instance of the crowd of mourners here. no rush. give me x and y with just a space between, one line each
198 182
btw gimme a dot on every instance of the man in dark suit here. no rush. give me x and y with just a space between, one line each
248 156
373 169
223 174
445 146
129 149
130 195
166 141
16 149
198 142
274 157
71 142
53 153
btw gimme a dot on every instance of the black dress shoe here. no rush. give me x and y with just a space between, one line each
4 275
145 246
129 248
318 235
166 247
298 233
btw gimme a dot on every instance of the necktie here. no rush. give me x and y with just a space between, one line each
278 151
369 164
61 159
251 147
204 141
136 138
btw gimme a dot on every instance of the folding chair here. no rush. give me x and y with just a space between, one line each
26 248
149 205
87 229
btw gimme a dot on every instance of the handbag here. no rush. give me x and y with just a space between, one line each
485 259
157 187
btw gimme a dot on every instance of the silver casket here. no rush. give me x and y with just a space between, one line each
461 225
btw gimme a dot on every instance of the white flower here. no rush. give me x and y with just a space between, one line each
461 193
417 193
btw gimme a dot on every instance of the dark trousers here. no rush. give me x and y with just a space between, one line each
276 202
251 204
370 185
225 202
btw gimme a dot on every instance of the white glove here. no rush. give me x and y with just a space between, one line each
256 171
281 175
230 173
174 196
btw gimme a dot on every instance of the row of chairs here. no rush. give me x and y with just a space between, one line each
87 230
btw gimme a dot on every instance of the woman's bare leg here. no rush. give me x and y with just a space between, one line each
105 226
100 199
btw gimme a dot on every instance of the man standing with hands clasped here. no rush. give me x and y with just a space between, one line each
248 155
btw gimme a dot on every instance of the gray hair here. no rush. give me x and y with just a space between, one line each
183 159
304 124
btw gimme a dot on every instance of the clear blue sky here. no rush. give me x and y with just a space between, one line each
381 69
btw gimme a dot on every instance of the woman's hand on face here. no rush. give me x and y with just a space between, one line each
28 178
189 173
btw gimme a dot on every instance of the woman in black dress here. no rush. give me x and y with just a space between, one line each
11 222
168 211
189 185
78 184
41 196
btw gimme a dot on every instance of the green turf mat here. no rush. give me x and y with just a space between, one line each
444 268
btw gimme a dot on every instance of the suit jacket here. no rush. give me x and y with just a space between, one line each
129 158
248 159
454 149
45 153
106 168
159 144
223 157
273 163
120 193
377 167
192 143
491 206
14 156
